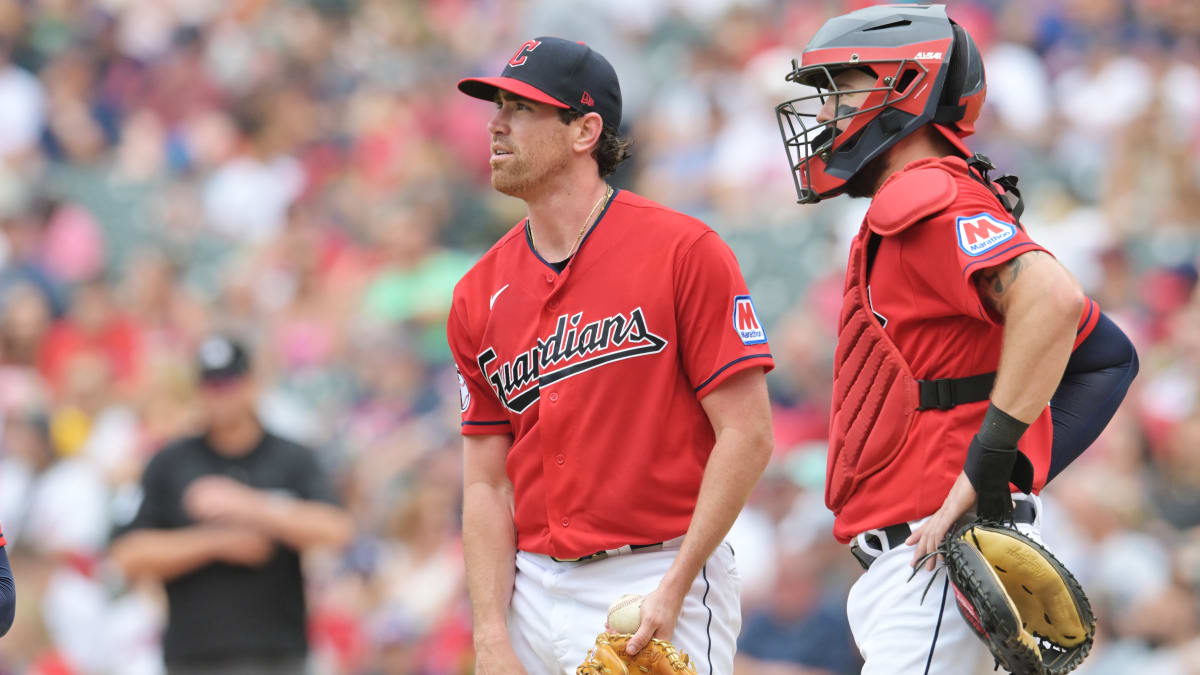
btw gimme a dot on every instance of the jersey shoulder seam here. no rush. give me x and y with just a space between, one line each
489 255
687 250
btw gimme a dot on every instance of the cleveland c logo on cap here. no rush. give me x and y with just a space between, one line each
518 59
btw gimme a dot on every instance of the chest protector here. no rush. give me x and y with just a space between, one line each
874 392
875 396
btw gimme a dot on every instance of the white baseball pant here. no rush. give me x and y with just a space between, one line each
558 608
895 631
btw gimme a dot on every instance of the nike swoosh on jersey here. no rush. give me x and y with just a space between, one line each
492 302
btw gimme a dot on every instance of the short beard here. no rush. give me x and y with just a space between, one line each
522 181
513 186
866 182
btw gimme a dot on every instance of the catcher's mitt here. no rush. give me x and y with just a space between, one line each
1017 597
608 657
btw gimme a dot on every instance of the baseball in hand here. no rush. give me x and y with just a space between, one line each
625 614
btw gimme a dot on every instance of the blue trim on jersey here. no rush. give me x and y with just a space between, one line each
529 236
599 218
726 367
529 243
1091 310
483 424
708 627
997 255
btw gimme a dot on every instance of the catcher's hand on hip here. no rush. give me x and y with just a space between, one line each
928 537
660 611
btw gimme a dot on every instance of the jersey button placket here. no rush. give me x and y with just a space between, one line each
560 459
566 522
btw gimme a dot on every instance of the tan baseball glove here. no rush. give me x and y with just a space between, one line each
608 657
1019 599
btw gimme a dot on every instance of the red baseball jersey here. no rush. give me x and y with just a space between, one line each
922 290
598 372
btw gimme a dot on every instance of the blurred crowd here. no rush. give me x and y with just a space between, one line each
303 174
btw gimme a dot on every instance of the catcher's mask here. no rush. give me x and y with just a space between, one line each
927 69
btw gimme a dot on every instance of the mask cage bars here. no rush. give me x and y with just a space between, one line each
805 138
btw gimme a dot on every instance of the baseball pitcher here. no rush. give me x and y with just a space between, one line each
614 409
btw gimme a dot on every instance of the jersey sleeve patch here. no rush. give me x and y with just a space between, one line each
746 323
981 233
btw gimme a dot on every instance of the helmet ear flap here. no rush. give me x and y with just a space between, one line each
964 76
956 74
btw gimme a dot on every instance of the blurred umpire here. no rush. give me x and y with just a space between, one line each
223 519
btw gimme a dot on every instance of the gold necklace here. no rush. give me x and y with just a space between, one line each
579 237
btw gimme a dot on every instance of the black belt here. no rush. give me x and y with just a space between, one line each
948 392
632 548
1023 512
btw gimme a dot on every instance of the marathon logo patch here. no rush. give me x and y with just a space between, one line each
746 323
981 233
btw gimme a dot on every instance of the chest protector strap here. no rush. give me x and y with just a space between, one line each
1008 195
947 392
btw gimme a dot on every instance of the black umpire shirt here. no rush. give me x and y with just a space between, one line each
223 611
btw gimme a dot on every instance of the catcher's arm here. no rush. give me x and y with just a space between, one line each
1096 381
740 414
8 593
1041 304
490 549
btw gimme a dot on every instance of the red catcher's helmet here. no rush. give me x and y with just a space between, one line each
927 69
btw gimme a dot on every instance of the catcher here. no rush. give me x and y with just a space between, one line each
956 329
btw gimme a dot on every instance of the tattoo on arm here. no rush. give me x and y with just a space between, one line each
994 283
999 279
